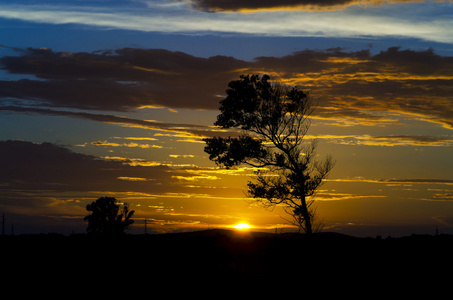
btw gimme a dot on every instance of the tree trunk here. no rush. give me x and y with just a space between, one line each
306 215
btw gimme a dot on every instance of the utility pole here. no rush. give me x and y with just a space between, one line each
3 224
146 223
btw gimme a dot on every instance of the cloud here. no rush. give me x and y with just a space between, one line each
415 140
387 181
195 178
47 167
176 129
334 196
118 80
423 181
442 197
136 138
308 5
388 140
183 19
134 161
130 145
133 178
353 88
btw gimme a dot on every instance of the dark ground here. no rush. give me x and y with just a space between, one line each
229 258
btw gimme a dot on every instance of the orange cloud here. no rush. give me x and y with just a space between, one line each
129 145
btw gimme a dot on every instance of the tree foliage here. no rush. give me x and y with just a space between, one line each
107 217
273 120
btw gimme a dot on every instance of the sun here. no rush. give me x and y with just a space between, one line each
242 226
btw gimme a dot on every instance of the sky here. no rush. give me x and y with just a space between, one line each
113 98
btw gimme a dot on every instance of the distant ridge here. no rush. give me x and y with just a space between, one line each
218 255
219 232
260 234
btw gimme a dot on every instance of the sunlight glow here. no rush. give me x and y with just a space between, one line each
242 226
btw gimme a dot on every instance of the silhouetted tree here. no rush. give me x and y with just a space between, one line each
106 216
274 119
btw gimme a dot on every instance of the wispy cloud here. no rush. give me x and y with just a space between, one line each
387 181
388 140
177 129
182 19
134 162
195 178
129 145
136 138
133 178
334 196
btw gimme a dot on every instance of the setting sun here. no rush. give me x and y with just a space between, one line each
242 226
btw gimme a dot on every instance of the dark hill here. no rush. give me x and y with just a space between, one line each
217 255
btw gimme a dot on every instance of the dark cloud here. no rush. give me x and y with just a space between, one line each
423 62
118 80
47 167
254 5
348 85
191 129
417 139
421 181
415 180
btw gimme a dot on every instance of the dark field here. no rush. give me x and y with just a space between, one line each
223 256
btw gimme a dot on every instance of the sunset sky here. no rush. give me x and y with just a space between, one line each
113 98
